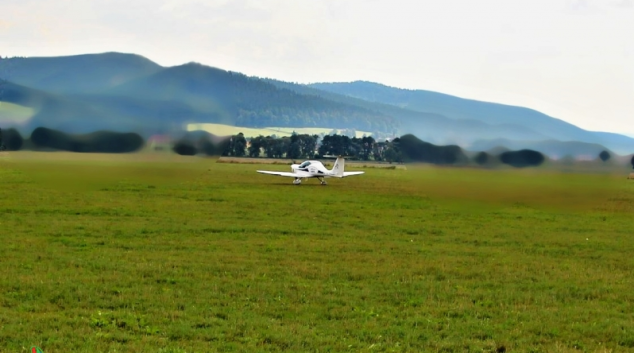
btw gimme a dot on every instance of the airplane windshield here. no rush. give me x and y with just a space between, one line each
305 164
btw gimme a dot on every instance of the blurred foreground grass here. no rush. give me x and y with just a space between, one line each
174 254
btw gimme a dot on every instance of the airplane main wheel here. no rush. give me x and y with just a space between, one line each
297 181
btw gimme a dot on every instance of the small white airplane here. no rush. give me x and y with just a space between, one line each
314 169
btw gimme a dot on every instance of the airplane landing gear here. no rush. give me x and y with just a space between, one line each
297 181
323 182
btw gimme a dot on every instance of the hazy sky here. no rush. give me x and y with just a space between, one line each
572 59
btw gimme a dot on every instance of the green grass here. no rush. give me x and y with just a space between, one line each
226 130
128 253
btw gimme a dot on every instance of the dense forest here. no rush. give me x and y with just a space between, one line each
246 101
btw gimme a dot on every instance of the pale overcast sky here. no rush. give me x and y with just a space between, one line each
572 59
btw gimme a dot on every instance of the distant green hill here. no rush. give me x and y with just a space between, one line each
497 116
78 73
49 108
87 113
118 92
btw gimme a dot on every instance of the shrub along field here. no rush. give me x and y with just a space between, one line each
141 253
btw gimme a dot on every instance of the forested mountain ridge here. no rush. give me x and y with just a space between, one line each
432 127
447 105
234 98
494 114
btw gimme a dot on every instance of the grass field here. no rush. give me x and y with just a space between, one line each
158 253
227 130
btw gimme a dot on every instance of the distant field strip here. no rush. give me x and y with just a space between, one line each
15 114
227 130
163 253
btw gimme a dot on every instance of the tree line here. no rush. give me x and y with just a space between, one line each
402 149
296 146
48 139
407 148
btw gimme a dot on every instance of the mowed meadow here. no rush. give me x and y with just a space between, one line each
160 253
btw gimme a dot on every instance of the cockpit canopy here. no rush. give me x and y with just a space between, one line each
305 164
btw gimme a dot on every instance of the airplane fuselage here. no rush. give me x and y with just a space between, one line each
314 168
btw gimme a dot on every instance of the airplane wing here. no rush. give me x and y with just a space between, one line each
345 174
287 174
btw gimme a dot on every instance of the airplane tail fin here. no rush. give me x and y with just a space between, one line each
337 168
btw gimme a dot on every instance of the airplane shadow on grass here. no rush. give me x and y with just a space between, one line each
303 185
